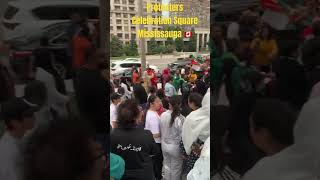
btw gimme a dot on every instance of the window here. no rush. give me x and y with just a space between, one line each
130 65
10 12
111 28
117 1
124 8
118 15
118 21
119 35
125 21
117 7
125 15
61 39
126 36
124 1
126 28
54 30
62 13
133 36
133 28
131 2
119 28
113 65
131 8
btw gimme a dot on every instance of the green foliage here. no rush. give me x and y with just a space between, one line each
131 49
116 46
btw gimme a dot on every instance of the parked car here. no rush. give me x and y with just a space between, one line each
124 68
20 14
180 63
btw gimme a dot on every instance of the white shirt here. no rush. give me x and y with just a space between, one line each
113 113
171 134
127 93
153 124
9 152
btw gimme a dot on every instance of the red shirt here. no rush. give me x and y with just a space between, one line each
135 77
80 47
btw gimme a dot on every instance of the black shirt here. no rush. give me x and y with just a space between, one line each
92 98
135 146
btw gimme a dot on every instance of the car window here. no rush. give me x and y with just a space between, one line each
129 65
62 13
56 29
113 65
10 12
61 39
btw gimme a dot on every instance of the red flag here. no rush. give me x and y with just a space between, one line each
271 4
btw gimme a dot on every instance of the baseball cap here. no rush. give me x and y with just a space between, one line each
17 108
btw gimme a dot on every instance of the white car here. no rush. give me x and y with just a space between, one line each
21 14
118 68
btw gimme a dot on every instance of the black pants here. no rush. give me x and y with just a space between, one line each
157 164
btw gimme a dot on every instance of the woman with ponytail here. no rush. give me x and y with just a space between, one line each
152 123
171 126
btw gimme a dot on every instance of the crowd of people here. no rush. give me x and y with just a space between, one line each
47 130
265 94
160 124
259 98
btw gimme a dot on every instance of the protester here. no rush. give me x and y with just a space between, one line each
152 91
265 49
56 100
165 76
195 100
140 94
116 100
36 92
81 45
272 132
93 102
195 131
126 87
177 80
170 90
192 76
171 126
298 161
135 77
134 145
63 150
45 59
18 115
152 123
164 100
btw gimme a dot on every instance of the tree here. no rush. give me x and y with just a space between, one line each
179 44
192 44
131 49
116 46
153 47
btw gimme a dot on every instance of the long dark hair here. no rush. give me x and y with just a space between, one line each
151 100
175 102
